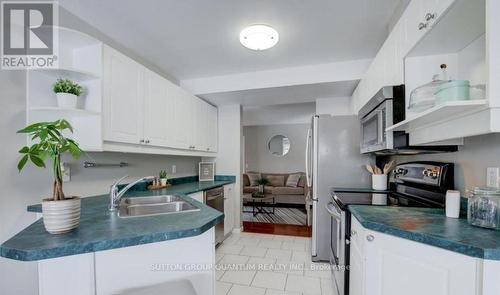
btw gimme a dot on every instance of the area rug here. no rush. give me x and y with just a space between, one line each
282 216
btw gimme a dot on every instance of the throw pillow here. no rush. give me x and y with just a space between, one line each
293 180
276 180
253 177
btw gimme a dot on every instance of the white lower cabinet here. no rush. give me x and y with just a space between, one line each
381 264
228 208
133 270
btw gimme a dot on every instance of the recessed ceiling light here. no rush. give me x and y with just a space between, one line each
259 37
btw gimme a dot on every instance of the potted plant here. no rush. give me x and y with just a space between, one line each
60 213
163 178
262 183
67 93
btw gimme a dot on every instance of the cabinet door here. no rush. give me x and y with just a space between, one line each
159 121
413 16
123 98
228 208
183 119
212 133
395 266
356 264
200 125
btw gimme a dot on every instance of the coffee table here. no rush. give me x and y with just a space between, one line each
258 204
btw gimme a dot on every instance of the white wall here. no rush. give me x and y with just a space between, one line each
298 113
258 157
335 106
229 154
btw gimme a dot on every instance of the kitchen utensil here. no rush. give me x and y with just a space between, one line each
452 203
483 207
388 166
370 168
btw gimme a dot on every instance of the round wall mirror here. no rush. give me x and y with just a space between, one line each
279 145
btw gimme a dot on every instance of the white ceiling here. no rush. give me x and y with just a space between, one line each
199 38
282 95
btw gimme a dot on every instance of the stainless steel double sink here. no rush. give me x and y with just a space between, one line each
154 205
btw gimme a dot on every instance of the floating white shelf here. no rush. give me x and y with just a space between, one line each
63 110
439 113
69 73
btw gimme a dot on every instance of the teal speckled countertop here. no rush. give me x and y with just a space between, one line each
101 230
432 227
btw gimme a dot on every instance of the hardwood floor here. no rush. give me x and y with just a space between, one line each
277 229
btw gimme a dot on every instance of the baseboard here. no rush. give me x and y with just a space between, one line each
237 230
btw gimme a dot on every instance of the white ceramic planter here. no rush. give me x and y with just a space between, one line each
379 182
67 100
163 181
61 216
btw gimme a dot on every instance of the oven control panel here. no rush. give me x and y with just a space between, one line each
418 173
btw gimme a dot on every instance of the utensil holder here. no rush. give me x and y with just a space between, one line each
379 182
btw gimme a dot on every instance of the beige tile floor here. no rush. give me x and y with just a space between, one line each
260 264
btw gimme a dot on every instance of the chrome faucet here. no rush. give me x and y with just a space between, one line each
115 195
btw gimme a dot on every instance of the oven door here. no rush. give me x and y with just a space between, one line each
337 246
373 135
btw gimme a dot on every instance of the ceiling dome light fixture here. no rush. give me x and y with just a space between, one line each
259 37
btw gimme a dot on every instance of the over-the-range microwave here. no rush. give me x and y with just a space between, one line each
386 108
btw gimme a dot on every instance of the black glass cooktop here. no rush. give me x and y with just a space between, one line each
344 198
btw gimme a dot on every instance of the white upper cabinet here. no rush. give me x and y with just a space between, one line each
212 128
123 98
146 110
184 119
159 115
462 34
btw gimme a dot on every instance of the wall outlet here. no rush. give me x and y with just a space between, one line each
174 169
492 177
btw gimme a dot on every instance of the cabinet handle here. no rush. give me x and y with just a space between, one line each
421 26
370 238
430 16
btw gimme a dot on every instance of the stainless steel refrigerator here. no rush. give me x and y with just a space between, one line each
333 159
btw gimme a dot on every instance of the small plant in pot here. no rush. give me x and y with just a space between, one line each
61 214
67 93
262 184
163 178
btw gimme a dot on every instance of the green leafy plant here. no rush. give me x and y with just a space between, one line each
262 181
49 142
163 174
67 86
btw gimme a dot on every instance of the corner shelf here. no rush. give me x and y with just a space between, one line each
439 113
69 73
63 110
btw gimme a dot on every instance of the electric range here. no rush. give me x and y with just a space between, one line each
414 184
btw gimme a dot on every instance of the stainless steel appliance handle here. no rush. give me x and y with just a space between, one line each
308 180
213 197
332 209
381 127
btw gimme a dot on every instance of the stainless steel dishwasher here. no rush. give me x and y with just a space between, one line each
215 199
